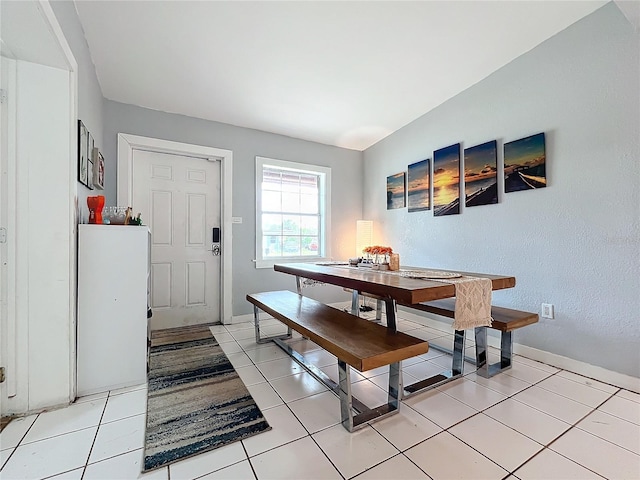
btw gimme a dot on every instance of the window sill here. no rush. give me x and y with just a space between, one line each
271 263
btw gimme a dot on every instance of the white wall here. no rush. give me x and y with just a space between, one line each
574 244
245 143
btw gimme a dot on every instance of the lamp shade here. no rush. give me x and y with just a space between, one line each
364 235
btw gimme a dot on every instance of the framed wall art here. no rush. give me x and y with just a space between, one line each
446 181
83 154
525 164
481 174
396 189
98 169
418 186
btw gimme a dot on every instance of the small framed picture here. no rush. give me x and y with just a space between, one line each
98 169
83 153
90 174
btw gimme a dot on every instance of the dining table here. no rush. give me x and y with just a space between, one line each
406 287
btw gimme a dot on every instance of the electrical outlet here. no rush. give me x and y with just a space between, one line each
547 310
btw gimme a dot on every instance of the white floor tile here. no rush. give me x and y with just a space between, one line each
234 327
285 428
440 408
266 353
118 437
4 455
239 359
317 412
231 347
264 395
320 358
131 388
598 455
406 428
633 396
72 475
446 457
614 429
126 466
496 441
250 343
332 372
13 433
562 408
50 457
249 333
589 382
472 394
250 375
207 462
125 405
353 453
91 398
425 369
579 392
297 386
534 363
299 459
215 329
549 465
239 471
382 381
526 372
223 337
375 372
281 367
369 393
504 384
527 420
396 467
622 407
65 420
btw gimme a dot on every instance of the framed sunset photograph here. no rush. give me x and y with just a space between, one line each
396 189
525 164
481 174
446 181
418 186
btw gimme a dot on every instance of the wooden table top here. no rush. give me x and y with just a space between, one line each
401 289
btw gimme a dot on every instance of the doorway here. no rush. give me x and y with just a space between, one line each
163 180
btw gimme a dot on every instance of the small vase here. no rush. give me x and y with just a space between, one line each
394 262
384 266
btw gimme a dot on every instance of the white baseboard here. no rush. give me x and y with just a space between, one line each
581 368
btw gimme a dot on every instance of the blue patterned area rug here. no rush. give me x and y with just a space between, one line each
196 401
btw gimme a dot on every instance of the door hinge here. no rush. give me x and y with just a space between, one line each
1 374
3 235
3 95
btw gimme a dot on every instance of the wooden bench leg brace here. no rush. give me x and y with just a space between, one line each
256 322
354 422
482 360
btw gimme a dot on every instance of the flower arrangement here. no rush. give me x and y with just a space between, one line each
380 253
378 250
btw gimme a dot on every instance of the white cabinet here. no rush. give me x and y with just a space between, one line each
113 264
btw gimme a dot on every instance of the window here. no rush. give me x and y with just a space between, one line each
293 212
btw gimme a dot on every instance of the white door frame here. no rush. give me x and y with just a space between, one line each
128 143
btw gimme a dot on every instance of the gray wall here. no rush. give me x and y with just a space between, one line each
346 178
89 93
575 244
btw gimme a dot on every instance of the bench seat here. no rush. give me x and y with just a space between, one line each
505 320
357 342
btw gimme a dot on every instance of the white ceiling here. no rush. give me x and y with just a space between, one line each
335 72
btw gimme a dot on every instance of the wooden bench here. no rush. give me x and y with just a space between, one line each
505 320
356 342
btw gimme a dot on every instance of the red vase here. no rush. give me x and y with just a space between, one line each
95 204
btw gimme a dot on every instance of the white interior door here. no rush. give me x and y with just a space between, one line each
179 198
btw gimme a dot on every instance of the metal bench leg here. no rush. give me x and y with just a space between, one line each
506 350
482 361
378 310
344 385
256 326
457 366
395 385
355 300
485 369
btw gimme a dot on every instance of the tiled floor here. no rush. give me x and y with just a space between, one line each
531 422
